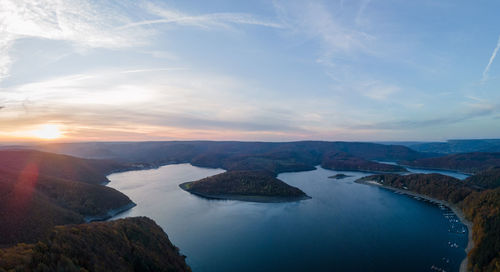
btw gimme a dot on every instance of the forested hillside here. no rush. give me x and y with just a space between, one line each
40 190
344 162
458 146
132 244
274 157
244 183
465 162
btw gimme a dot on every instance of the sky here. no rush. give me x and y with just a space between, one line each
349 70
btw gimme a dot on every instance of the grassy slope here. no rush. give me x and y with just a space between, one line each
132 244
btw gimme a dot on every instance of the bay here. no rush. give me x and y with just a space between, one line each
345 226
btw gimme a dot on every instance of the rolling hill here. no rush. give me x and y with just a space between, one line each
40 190
257 186
260 156
474 162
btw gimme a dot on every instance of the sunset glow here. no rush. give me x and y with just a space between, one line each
48 132
257 71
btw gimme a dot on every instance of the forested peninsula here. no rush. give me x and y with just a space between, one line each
255 186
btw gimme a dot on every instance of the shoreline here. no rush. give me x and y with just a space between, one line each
246 198
366 171
269 199
438 169
454 208
110 213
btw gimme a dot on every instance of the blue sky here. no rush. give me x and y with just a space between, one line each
366 70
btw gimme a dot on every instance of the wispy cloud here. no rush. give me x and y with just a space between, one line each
492 58
166 99
313 19
360 15
80 23
471 110
378 91
218 20
88 24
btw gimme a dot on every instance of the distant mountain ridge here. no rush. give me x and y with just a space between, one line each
260 156
458 146
344 162
473 162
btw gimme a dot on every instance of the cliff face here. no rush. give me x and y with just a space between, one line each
132 244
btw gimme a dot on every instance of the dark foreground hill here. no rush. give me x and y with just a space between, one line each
255 186
132 244
481 207
35 196
465 162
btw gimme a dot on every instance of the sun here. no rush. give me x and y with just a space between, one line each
48 132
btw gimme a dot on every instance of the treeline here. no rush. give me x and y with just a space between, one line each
483 209
434 185
341 161
256 183
474 162
260 156
488 179
132 244
40 190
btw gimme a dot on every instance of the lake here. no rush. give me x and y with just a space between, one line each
344 227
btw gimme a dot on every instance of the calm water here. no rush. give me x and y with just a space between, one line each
344 227
457 175
411 170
